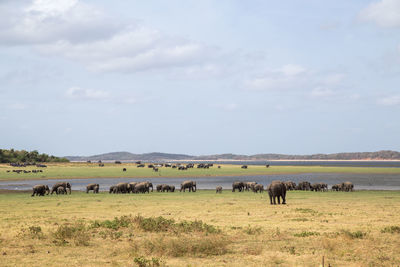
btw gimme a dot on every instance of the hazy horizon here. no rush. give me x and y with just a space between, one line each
83 77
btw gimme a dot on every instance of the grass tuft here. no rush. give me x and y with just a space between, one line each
306 234
391 229
77 233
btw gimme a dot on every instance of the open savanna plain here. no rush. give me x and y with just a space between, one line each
110 170
359 228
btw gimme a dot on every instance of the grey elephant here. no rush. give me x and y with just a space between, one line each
159 186
123 188
132 187
93 187
347 186
64 185
237 185
316 187
290 185
61 191
257 188
249 185
143 187
191 185
113 189
218 189
40 190
305 186
172 188
277 189
166 188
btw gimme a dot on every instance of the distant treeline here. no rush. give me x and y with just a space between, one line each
15 156
126 156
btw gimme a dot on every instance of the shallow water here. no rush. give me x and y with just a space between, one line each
360 181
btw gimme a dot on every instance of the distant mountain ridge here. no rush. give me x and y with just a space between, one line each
157 156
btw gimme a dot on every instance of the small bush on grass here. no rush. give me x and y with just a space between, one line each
306 234
123 221
77 233
354 235
391 229
143 262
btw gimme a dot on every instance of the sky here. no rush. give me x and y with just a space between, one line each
84 77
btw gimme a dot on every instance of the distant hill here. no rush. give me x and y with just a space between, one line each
156 156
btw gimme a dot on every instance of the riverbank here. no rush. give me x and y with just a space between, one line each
110 170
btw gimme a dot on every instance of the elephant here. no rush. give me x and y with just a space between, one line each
64 185
113 189
159 186
249 185
258 188
132 187
218 189
275 190
92 187
347 186
324 187
40 190
290 185
172 188
61 191
316 187
123 188
238 185
166 187
337 187
143 187
191 185
305 186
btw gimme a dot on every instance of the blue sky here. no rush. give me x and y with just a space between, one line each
199 77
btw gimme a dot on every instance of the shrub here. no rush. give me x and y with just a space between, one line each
77 233
154 224
391 229
354 235
252 230
305 234
143 262
36 232
123 221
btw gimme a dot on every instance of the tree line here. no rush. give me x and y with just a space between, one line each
16 156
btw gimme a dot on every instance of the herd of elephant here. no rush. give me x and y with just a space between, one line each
276 190
121 188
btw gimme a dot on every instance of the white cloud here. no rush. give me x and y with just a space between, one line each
88 94
292 70
321 92
85 34
389 100
385 13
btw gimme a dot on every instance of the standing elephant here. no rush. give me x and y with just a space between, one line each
249 185
92 187
143 187
218 189
64 185
237 185
40 190
165 187
191 185
123 188
305 186
275 190
347 186
159 186
113 189
290 185
258 188
316 187
61 191
172 188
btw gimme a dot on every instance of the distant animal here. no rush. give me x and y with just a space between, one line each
117 162
218 189
113 189
64 185
244 167
249 185
191 185
277 189
159 186
101 164
290 185
305 186
40 190
347 186
219 167
61 191
257 188
267 165
93 187
124 169
237 186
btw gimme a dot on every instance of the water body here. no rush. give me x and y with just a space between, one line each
361 181
344 163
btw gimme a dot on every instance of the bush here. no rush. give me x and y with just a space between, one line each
252 230
354 235
76 233
143 262
123 221
391 229
306 234
36 232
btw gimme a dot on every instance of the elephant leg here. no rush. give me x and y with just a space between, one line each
270 199
279 199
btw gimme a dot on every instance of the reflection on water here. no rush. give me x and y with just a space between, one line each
361 181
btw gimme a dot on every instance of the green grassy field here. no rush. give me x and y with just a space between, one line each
84 170
237 229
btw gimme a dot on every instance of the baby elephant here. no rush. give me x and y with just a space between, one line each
218 189
94 187
40 190
61 191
